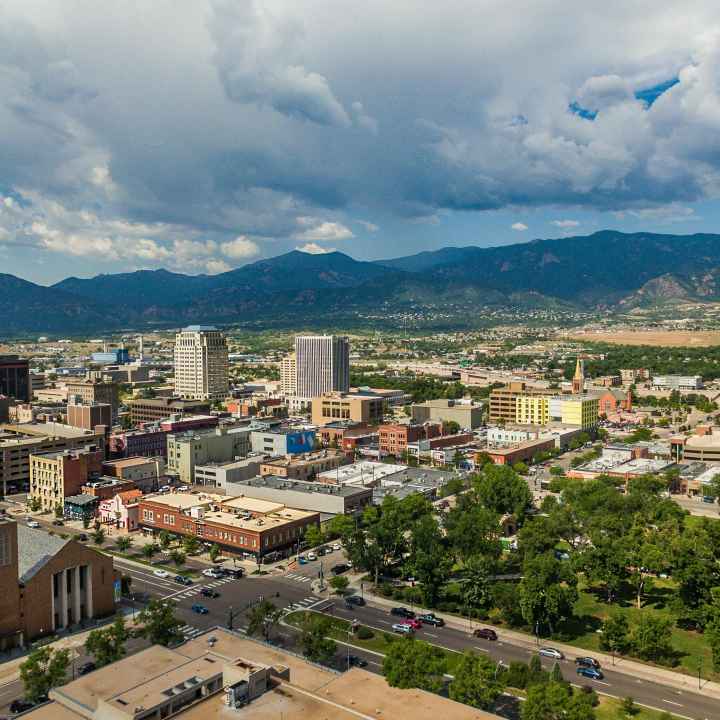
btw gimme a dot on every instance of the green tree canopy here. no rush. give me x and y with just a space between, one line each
107 645
44 669
411 663
474 682
159 624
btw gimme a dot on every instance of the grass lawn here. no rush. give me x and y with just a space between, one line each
166 565
379 643
609 710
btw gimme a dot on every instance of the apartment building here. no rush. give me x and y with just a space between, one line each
394 439
57 475
332 407
288 375
15 378
95 389
201 363
503 401
322 365
237 525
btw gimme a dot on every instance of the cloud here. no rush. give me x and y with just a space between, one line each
240 248
369 226
322 231
314 249
565 224
520 227
664 214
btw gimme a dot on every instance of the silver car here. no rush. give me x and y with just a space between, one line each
551 652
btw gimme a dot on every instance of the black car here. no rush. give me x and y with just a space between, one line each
209 592
19 706
86 668
356 661
82 537
430 619
587 661
58 522
182 580
403 612
339 569
354 600
485 634
234 572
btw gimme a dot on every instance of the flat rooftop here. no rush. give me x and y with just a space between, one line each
49 429
305 486
300 460
360 472
129 462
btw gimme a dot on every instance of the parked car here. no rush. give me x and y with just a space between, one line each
590 672
209 592
551 653
82 537
402 628
58 522
485 634
212 573
86 668
356 661
312 556
337 546
234 572
302 560
587 661
402 612
200 609
33 524
414 623
430 619
182 580
20 706
161 573
355 600
339 569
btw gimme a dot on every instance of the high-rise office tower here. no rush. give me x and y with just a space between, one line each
288 375
322 364
15 377
201 363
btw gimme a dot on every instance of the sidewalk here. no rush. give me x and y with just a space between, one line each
638 670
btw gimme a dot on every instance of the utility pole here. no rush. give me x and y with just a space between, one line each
231 618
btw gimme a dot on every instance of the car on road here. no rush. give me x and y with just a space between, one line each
312 556
182 580
356 661
402 612
551 652
33 524
199 609
57 522
302 560
209 592
339 569
415 624
86 668
20 706
82 537
233 572
431 619
337 546
587 661
354 600
161 573
402 628
485 634
590 672
212 573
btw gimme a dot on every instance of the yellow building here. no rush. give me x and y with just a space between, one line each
532 410
581 410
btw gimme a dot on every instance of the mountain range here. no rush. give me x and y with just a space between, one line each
607 269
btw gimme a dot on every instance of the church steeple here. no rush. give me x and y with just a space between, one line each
578 383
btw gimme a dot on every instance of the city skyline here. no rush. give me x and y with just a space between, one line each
241 131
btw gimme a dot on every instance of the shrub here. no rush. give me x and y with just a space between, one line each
516 675
365 633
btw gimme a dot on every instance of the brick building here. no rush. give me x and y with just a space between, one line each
95 389
613 400
89 416
146 442
394 439
156 409
303 467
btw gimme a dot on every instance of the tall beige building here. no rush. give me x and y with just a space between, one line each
288 375
201 363
322 364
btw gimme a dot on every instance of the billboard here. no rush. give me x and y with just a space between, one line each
300 442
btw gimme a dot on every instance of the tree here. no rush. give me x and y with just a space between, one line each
214 552
450 427
34 504
411 663
477 586
429 559
178 557
627 705
191 545
340 526
339 584
165 539
503 491
556 673
99 536
553 701
123 543
472 529
547 592
43 670
262 618
107 645
615 633
159 624
314 640
149 550
651 638
314 536
86 522
59 511
474 682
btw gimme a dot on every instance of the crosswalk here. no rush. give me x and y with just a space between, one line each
189 632
303 604
189 592
298 578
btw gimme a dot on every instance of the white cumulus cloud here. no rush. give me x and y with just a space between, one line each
240 248
520 227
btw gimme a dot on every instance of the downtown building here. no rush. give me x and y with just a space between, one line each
322 365
201 363
15 378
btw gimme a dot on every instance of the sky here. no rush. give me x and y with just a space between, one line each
200 135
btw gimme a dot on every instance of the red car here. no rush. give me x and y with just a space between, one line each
414 624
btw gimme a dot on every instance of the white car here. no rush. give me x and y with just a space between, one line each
161 573
33 524
551 653
212 573
311 556
337 546
403 629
